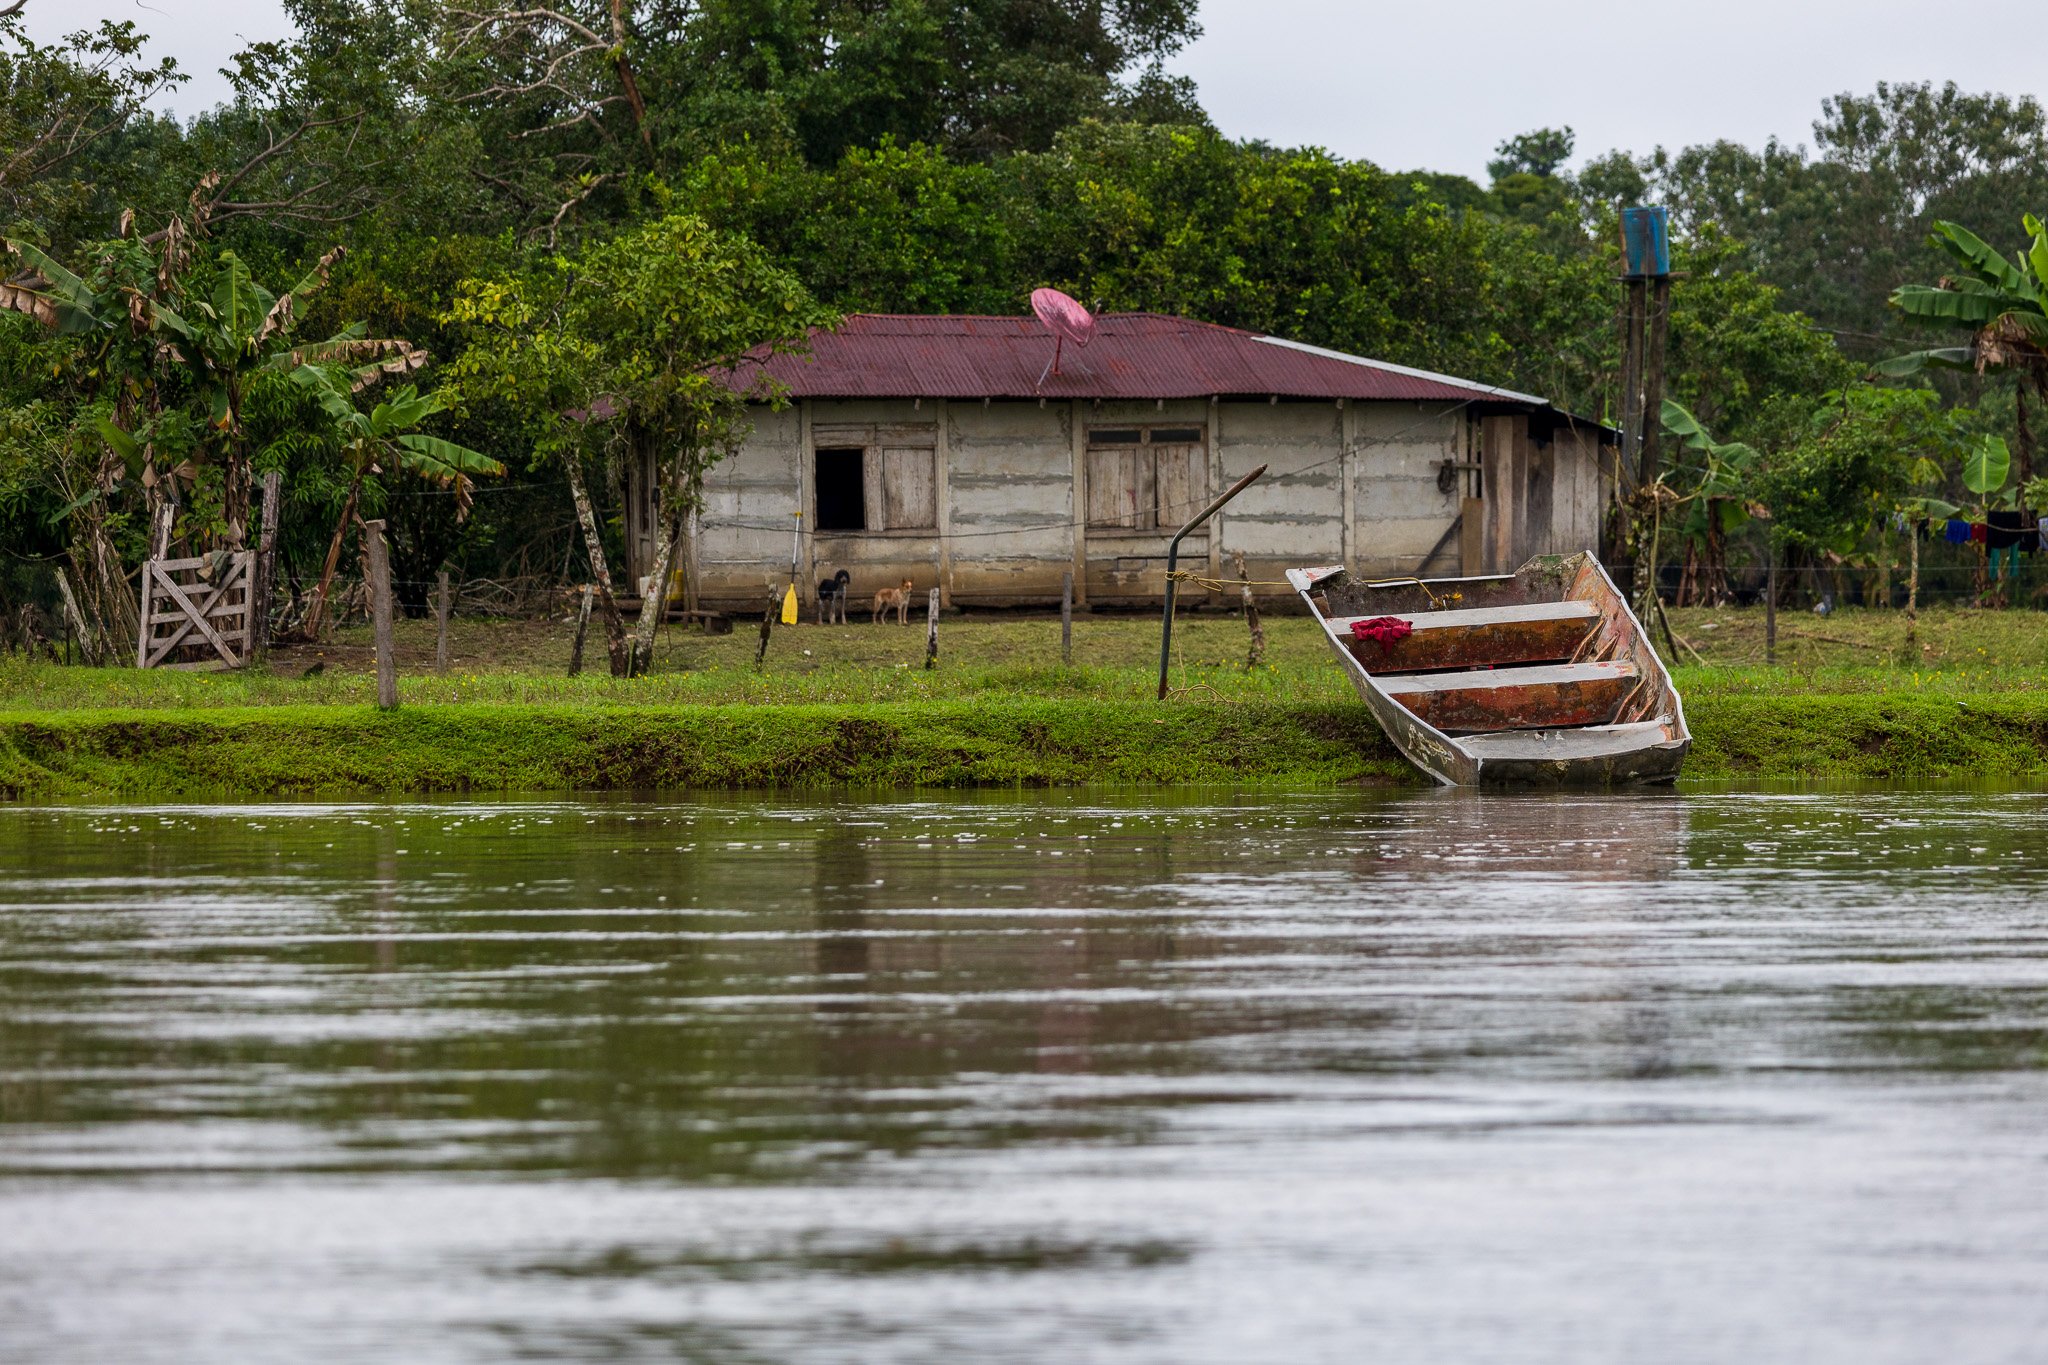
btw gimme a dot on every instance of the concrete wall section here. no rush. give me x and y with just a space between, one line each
1400 512
750 501
1012 503
1294 516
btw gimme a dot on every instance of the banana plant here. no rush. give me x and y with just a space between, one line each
1916 508
240 330
1709 480
2002 303
382 439
222 334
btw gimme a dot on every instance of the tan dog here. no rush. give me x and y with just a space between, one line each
892 599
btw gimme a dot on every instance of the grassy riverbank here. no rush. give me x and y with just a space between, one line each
853 705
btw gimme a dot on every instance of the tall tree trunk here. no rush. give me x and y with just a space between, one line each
600 571
1646 526
668 523
316 611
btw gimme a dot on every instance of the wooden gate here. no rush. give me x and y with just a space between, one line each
190 620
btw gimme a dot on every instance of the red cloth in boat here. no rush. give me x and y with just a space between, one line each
1383 630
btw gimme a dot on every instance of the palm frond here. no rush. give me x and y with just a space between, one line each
74 308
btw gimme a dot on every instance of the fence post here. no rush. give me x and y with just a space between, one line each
266 563
160 529
1067 617
1771 603
767 624
1257 654
582 626
441 605
931 630
379 557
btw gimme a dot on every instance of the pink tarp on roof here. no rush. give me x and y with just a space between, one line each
1133 356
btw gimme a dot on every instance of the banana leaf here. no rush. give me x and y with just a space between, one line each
1987 465
1950 305
1941 357
77 309
1971 250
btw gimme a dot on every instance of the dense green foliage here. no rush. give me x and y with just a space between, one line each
589 209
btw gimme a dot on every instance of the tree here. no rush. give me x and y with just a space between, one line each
653 340
2003 304
678 316
1540 153
1839 227
58 103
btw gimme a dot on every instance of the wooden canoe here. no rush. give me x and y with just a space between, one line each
1543 677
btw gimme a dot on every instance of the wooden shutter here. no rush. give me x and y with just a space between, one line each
874 508
1119 487
910 499
1181 484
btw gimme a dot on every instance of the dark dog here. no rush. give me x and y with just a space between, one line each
832 598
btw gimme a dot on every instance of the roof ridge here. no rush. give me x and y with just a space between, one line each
1028 317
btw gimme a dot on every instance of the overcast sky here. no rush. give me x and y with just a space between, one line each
1421 85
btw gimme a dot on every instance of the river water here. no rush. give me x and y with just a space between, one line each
1062 1078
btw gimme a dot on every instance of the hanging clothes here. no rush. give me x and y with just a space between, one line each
2044 534
2007 530
1979 533
1956 532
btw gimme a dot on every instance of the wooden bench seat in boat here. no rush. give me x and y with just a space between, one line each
1540 696
1529 632
1585 742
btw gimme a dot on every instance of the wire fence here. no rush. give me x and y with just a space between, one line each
2019 585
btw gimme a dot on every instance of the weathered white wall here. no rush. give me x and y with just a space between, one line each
741 540
1009 504
1012 499
1399 513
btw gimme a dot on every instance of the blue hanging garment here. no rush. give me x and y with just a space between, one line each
1957 532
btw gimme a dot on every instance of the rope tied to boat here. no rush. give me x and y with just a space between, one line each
1223 584
1436 600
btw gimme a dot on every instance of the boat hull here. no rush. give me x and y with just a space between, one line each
1643 744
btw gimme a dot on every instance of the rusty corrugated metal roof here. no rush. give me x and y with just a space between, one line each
1133 356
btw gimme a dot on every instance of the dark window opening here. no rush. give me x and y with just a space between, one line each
1114 438
842 495
1175 435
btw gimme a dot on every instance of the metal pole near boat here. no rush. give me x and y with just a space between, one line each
1173 559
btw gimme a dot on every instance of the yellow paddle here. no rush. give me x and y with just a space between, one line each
795 550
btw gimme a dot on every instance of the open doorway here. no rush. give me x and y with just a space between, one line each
842 489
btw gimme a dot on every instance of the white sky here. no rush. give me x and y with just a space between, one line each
1420 85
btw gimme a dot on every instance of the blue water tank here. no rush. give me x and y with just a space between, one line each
1646 242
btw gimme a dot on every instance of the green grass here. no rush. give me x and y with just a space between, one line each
853 705
305 750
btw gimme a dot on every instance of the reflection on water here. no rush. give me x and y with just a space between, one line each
1027 1078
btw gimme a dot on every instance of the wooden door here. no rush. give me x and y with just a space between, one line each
1119 488
909 488
1182 484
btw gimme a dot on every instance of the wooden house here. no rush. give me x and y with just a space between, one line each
949 450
